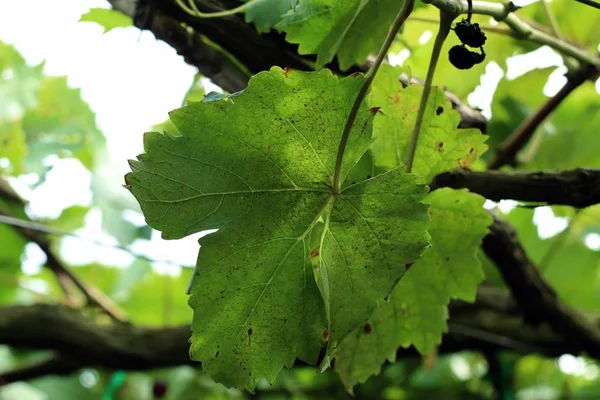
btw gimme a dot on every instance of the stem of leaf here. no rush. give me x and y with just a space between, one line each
445 25
193 10
403 14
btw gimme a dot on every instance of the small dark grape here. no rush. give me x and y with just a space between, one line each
159 389
470 34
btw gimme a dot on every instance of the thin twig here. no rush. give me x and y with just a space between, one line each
403 14
487 28
64 276
508 149
591 3
445 25
193 10
36 226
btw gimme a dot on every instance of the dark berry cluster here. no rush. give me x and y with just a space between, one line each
470 35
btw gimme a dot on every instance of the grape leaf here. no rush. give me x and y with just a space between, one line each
107 18
18 83
440 147
63 124
416 312
329 27
267 13
258 166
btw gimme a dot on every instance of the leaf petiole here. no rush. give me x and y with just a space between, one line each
403 14
445 24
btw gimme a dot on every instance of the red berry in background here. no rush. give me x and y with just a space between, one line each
159 389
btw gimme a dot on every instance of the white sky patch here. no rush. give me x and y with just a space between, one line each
67 184
483 94
506 206
541 58
460 367
425 37
32 260
592 240
93 245
547 223
556 81
398 58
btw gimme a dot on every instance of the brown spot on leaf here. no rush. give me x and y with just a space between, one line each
441 146
354 75
367 328
464 164
471 150
314 253
374 110
325 335
268 148
439 110
287 70
250 331
403 312
395 98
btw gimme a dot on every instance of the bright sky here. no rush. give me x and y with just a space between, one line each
131 81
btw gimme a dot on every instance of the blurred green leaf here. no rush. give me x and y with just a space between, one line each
107 18
62 124
265 14
12 147
18 83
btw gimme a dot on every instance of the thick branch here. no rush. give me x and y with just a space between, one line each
537 300
578 187
491 322
70 332
52 366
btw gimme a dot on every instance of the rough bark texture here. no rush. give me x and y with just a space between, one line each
578 187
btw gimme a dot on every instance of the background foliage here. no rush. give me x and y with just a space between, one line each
43 119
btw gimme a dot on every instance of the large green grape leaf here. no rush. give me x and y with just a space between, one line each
63 124
107 18
440 147
417 310
330 27
265 14
258 166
